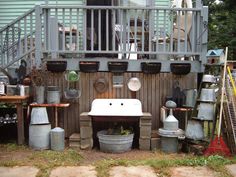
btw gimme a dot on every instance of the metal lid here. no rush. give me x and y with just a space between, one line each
170 133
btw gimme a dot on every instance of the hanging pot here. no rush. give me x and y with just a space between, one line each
206 111
208 95
194 130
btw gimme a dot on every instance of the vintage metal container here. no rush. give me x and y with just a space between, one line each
170 133
191 96
194 130
53 96
57 139
39 136
206 111
114 143
39 116
170 139
208 95
207 78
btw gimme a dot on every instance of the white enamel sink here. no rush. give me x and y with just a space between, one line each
116 107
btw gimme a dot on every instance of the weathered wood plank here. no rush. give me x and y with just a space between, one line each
152 94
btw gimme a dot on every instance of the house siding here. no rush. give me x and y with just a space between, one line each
11 9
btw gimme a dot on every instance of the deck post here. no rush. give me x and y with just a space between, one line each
38 37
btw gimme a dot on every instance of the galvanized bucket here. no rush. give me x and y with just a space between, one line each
194 130
53 96
206 111
39 136
39 116
208 95
40 94
57 137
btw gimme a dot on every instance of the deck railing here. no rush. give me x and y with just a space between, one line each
109 31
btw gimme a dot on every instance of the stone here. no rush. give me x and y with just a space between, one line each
22 171
75 171
231 169
132 171
192 171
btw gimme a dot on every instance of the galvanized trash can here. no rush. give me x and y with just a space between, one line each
39 136
57 137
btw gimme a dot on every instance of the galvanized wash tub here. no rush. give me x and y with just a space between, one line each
114 143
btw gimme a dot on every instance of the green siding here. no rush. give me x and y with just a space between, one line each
160 20
11 9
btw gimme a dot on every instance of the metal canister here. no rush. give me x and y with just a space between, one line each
2 88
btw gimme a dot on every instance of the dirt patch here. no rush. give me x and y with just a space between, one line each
192 171
80 171
137 171
18 155
96 155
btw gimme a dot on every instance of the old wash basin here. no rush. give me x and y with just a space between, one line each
116 107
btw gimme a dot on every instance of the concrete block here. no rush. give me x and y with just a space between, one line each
155 143
154 134
85 123
75 137
86 132
145 131
86 143
144 143
74 143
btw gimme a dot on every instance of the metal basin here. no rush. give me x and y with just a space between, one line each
207 78
206 111
208 95
194 130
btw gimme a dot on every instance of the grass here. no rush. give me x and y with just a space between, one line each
47 160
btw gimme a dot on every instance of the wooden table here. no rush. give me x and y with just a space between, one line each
60 105
18 101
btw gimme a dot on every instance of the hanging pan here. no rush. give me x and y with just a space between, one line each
134 84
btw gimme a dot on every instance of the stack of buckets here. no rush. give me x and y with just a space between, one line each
39 129
40 134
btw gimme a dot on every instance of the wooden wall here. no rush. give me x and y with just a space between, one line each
155 88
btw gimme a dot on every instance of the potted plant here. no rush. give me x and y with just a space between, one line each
38 78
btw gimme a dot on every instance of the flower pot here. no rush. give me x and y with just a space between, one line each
89 66
180 68
117 67
150 67
56 66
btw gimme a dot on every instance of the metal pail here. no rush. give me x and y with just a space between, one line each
194 130
39 116
39 136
